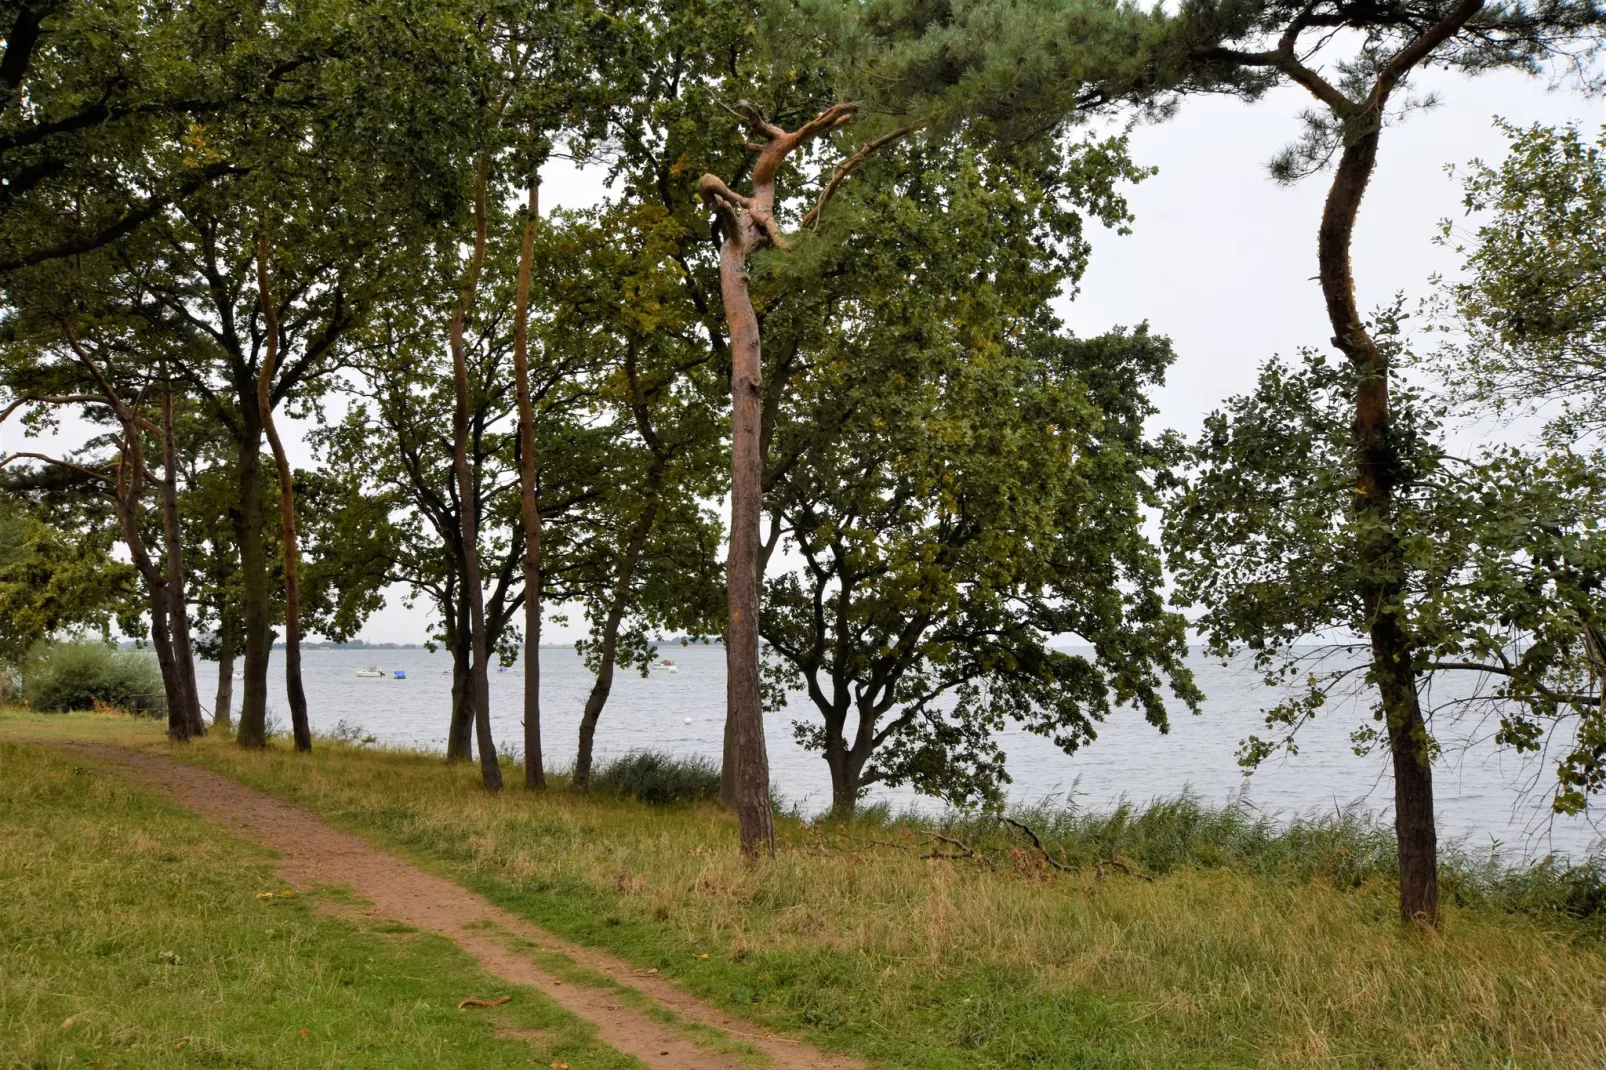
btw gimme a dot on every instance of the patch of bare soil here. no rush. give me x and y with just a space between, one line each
315 853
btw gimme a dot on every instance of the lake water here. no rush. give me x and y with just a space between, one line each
1485 795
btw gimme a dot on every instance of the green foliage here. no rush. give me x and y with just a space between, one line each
52 581
962 480
1528 314
1502 556
1354 54
657 778
80 674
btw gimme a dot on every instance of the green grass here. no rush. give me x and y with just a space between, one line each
132 935
1250 947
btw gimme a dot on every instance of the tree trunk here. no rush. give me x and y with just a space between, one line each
223 708
634 547
255 610
479 678
173 548
749 224
1383 590
534 771
127 500
460 733
847 771
744 714
300 725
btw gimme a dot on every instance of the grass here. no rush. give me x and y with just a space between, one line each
1250 947
132 935
652 777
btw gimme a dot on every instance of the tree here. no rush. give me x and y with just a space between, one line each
1248 48
1499 568
642 558
396 443
961 480
1530 309
57 574
55 363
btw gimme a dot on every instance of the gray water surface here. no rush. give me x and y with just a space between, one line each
1485 796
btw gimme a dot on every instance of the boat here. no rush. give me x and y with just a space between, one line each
400 674
371 673
668 665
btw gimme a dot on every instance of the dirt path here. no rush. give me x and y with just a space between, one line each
313 853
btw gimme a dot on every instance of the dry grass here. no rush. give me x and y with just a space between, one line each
934 963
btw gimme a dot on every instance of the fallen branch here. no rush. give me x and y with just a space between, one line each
1061 866
970 855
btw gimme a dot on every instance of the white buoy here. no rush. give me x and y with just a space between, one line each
688 720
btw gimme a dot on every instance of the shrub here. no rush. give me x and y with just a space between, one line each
657 778
80 674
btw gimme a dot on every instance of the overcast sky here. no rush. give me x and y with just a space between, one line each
1220 258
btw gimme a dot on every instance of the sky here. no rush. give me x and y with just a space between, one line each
1220 258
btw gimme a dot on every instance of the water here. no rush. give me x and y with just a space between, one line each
1485 795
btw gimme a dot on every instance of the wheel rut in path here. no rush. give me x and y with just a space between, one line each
314 852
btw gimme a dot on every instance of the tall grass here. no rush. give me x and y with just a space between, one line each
658 779
1254 944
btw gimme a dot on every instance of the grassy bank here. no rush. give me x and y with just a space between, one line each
133 934
1249 947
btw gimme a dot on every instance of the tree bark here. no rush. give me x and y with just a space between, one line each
1382 591
479 678
255 609
223 707
300 725
534 771
749 224
173 549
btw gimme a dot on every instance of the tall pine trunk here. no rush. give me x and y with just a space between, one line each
300 725
534 769
748 224
1383 590
468 497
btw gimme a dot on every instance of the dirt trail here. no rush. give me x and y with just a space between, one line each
313 853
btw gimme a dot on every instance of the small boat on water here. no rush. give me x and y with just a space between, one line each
371 673
400 674
668 665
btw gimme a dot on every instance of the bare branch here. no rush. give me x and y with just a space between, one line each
847 166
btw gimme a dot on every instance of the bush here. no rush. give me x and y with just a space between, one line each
657 778
81 674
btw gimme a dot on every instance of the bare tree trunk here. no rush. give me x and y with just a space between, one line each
173 549
534 771
1383 591
223 709
748 223
300 725
479 678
